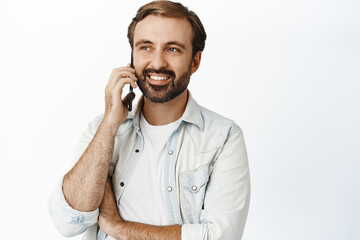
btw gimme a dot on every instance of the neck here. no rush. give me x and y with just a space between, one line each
164 113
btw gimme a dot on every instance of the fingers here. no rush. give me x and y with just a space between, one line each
115 111
120 85
127 68
116 73
120 76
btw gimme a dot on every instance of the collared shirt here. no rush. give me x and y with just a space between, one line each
206 178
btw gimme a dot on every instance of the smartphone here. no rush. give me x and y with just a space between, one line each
131 92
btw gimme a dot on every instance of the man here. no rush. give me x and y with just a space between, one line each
169 169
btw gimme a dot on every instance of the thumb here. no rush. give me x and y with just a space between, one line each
126 99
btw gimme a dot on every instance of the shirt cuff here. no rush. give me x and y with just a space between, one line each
194 232
65 213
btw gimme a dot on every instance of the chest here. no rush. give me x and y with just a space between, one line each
180 167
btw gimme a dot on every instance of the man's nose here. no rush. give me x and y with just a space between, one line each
158 60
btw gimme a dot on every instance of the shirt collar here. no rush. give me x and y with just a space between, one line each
191 114
135 113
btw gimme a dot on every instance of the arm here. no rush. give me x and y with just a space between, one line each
112 224
139 231
84 184
225 210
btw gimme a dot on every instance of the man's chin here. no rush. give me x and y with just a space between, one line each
163 97
157 89
157 98
163 93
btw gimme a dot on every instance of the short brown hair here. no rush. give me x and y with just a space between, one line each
173 10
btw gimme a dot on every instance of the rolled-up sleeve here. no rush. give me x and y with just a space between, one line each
69 221
227 196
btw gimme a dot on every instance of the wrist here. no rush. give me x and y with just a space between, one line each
119 230
110 125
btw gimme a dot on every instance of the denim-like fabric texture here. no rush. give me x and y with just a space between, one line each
206 167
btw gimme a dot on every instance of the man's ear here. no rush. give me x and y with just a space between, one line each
196 62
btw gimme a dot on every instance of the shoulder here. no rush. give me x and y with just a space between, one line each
214 121
215 132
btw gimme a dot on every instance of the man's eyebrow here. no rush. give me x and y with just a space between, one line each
142 41
176 43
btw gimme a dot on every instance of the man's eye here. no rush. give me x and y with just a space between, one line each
173 50
145 48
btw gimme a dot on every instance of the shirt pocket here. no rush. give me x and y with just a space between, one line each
193 184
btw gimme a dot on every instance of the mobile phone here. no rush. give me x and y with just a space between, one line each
131 92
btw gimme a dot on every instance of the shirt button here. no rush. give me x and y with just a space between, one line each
77 219
171 152
169 188
122 184
194 188
137 150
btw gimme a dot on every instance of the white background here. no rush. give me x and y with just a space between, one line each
286 71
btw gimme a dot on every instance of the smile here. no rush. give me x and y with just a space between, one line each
158 78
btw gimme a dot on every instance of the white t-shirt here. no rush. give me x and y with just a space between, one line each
143 199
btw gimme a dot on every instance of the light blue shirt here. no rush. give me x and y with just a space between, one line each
206 179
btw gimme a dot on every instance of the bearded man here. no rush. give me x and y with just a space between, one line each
168 169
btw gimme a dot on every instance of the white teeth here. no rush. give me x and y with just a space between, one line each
158 78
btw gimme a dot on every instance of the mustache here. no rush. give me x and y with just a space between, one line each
147 71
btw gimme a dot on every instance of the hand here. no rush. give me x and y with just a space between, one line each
112 224
115 107
109 218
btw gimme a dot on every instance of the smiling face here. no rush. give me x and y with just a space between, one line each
163 57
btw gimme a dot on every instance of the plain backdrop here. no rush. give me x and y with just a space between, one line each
286 71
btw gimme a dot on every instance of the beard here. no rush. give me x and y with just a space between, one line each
165 93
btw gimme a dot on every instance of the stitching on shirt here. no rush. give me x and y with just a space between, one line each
196 169
231 132
192 139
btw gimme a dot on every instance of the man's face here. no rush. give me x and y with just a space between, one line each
163 57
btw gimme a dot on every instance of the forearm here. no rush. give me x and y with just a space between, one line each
84 184
139 231
112 224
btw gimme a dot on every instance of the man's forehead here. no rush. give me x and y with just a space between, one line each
164 29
